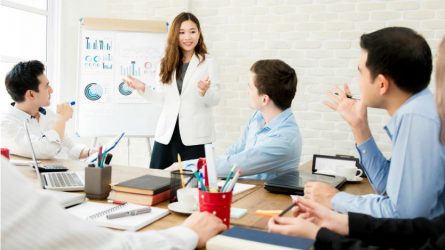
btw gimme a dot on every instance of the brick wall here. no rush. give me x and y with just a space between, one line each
318 38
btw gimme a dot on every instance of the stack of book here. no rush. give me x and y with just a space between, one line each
144 190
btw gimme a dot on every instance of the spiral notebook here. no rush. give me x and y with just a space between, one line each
97 212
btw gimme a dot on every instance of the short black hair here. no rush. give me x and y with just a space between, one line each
23 77
276 79
401 54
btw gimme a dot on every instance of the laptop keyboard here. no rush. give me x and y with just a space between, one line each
64 179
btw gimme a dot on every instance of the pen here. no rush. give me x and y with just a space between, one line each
99 156
190 179
348 96
287 209
180 170
203 187
104 155
228 178
108 159
232 183
129 213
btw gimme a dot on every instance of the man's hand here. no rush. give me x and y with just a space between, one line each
293 227
320 192
205 225
321 216
353 111
64 111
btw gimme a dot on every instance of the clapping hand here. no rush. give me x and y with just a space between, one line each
309 217
353 111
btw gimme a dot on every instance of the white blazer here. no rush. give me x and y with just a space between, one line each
194 111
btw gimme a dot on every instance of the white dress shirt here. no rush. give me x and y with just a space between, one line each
45 140
31 220
193 110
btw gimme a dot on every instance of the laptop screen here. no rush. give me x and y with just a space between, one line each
36 164
327 165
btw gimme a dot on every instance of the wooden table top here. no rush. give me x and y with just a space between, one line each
254 199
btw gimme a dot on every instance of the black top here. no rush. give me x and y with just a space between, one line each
180 80
366 232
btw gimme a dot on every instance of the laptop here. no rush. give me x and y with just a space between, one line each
59 181
293 182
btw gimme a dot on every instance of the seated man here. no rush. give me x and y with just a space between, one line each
395 70
332 230
271 141
31 220
29 87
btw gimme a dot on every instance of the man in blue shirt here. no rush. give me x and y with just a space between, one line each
395 69
271 141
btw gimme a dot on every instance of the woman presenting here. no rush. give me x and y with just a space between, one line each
187 88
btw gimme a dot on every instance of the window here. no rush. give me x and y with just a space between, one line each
28 33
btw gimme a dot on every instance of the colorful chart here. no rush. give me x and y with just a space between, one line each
137 68
93 91
124 89
94 44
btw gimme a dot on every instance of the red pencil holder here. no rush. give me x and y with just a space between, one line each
216 203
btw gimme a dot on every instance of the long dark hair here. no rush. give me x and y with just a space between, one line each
173 54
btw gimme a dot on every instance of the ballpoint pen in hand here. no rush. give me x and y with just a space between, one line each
348 96
129 213
287 209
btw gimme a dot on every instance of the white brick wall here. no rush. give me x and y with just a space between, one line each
318 38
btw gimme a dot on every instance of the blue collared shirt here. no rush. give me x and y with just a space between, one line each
411 183
264 150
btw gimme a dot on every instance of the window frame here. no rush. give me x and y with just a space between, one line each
52 63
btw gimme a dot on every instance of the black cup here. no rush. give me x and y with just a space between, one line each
175 182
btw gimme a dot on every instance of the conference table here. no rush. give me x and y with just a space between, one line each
252 200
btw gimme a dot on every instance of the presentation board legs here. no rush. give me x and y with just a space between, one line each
94 144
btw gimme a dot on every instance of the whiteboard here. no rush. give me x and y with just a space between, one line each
105 105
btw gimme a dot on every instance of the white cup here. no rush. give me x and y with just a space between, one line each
188 198
351 173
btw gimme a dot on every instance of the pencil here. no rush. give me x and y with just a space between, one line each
180 171
287 209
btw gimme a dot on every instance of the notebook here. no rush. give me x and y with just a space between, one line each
244 238
146 184
293 182
97 212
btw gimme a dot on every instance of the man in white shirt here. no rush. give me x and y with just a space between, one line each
29 87
31 220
